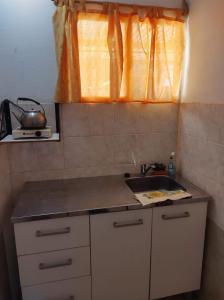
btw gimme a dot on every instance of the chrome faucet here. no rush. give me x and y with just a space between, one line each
145 169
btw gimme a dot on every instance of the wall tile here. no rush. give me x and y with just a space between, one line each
155 147
98 139
201 152
5 192
19 179
101 119
50 156
23 157
201 157
127 118
125 149
36 156
75 120
202 120
111 169
5 210
4 163
158 118
87 151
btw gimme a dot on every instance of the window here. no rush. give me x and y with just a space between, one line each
119 55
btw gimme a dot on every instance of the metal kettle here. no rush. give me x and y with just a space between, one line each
30 119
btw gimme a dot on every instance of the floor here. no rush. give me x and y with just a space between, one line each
182 297
174 298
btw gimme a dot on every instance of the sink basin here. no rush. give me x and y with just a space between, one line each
152 183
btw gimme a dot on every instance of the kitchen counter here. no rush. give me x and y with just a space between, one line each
68 197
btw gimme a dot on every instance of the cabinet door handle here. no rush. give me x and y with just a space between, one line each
186 214
44 266
40 233
128 223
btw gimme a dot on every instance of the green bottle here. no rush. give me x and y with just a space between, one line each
171 166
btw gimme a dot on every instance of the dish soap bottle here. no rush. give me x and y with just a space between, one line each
171 166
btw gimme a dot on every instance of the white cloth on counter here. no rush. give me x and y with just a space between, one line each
151 197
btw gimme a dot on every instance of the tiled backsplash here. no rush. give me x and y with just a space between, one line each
5 203
201 160
98 139
5 184
201 151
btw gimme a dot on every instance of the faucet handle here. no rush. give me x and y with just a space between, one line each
143 168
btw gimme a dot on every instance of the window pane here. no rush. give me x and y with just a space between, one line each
94 55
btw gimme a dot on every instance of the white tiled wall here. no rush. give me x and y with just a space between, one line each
98 139
201 157
201 151
5 204
5 184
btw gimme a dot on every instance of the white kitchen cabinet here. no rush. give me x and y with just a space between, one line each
177 249
128 255
120 252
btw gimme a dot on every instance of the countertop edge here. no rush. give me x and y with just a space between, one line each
198 196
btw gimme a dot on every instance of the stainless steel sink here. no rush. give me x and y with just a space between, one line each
152 183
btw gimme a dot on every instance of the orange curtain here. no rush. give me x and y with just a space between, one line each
118 54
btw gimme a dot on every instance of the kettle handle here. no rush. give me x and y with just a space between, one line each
30 100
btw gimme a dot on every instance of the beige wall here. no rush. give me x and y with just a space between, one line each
201 129
99 139
201 118
201 152
5 189
96 140
28 64
204 82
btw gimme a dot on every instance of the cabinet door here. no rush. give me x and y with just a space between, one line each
177 249
120 252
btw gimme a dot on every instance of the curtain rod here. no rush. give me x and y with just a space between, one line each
185 6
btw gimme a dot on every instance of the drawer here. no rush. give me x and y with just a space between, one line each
73 289
50 235
52 266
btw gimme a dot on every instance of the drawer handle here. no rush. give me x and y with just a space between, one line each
129 223
177 216
44 266
40 233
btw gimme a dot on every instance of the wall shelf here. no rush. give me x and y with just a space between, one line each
6 133
9 139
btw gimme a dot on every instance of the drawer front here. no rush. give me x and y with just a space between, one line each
177 249
73 289
52 266
50 235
